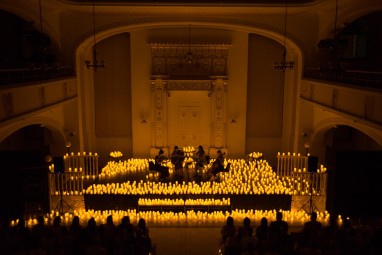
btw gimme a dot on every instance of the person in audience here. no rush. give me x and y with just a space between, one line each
330 234
90 233
278 234
75 231
245 238
57 237
124 242
227 238
311 232
39 233
262 232
21 236
127 226
107 233
143 240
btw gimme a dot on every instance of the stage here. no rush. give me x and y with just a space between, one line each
127 187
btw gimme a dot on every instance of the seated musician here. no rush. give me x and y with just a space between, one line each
200 159
163 170
177 158
218 165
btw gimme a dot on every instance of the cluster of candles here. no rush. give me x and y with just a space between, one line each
254 177
116 154
182 202
255 155
190 218
126 167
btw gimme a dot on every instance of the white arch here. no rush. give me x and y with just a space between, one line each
86 45
323 126
56 129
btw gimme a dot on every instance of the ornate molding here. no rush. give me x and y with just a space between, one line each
175 61
199 85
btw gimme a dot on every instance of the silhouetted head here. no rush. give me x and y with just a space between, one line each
40 219
109 219
76 220
279 216
229 221
142 223
246 222
161 151
264 221
313 216
126 219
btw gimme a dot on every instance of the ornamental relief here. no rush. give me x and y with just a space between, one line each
189 85
180 60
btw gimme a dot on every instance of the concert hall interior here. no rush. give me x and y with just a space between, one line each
288 93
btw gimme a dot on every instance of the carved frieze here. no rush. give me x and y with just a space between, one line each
196 60
191 85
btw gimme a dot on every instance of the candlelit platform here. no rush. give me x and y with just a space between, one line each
127 187
236 202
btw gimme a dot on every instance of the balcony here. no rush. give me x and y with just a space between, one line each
33 74
360 78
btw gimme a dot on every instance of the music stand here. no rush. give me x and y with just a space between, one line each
312 206
62 202
59 168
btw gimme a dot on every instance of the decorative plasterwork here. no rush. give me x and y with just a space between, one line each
177 61
190 85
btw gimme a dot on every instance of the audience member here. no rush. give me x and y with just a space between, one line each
107 233
245 238
311 232
124 242
57 237
39 233
75 243
278 234
227 238
143 239
262 232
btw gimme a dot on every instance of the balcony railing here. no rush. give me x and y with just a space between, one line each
366 79
32 74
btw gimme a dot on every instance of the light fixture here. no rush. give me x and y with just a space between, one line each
233 119
189 53
96 64
284 65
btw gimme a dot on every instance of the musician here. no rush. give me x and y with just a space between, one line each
177 158
200 159
163 170
218 165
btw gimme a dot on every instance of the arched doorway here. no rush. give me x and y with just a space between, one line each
25 155
354 162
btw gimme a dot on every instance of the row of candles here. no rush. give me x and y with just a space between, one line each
182 202
255 177
190 218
